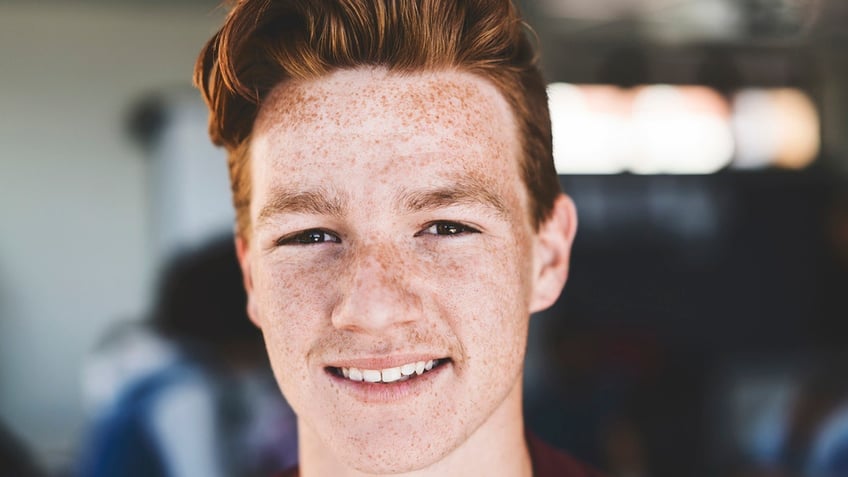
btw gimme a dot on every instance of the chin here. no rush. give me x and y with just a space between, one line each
373 467
385 451
390 463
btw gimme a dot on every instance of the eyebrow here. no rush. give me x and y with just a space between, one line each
468 190
319 201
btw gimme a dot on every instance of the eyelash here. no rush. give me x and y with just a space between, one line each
458 229
308 237
316 236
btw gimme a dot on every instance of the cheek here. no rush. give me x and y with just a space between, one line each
484 294
292 289
290 302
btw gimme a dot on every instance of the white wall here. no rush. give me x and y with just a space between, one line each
188 178
75 224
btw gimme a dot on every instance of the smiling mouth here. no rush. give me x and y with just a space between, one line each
389 375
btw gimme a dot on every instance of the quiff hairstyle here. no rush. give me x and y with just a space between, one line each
266 42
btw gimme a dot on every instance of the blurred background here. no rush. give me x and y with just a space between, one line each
702 331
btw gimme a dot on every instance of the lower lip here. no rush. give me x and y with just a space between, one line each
389 392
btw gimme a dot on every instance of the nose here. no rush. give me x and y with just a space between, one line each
376 292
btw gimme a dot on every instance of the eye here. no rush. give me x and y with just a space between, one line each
448 228
308 237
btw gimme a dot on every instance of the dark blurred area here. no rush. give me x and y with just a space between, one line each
688 297
702 331
189 391
15 458
202 303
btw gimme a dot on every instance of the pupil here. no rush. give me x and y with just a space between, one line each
312 237
447 229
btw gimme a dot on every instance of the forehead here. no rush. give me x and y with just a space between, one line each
377 123
422 96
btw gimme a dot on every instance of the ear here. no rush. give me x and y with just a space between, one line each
552 254
243 254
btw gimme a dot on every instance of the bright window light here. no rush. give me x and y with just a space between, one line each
589 126
680 130
756 128
778 127
664 129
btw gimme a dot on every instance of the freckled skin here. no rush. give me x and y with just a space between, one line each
385 288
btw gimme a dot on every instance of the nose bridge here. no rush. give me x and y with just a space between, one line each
376 293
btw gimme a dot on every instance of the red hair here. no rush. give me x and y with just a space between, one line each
266 42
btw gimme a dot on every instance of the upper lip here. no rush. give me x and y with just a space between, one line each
383 362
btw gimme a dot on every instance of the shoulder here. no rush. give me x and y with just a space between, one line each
550 462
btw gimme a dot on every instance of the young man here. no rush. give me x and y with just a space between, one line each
398 219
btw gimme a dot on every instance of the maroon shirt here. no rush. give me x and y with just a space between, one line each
547 462
550 462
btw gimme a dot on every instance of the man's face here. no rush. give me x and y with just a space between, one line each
391 232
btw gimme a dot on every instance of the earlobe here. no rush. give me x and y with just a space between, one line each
553 253
243 253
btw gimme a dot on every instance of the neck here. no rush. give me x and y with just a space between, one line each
497 448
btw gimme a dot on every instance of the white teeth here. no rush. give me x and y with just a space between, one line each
407 369
371 376
389 375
